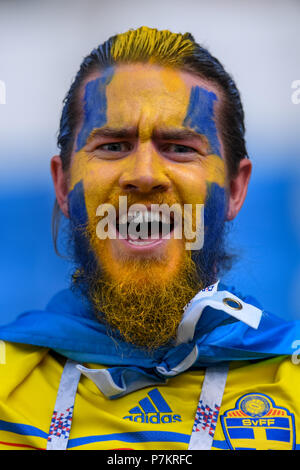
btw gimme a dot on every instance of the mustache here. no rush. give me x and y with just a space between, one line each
135 198
164 207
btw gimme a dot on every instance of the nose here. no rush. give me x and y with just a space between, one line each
145 173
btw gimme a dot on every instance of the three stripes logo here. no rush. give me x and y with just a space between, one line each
152 409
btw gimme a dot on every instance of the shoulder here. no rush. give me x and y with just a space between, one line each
17 361
280 374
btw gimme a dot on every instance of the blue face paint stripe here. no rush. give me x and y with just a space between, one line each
95 106
79 221
214 213
77 207
200 116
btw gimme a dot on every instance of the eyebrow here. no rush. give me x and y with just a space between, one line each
127 132
113 133
177 134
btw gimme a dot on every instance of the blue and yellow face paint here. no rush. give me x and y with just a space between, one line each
95 106
201 117
148 98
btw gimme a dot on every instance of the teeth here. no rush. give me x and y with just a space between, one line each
123 219
132 242
165 219
136 216
146 216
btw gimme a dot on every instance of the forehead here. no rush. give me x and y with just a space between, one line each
126 91
149 97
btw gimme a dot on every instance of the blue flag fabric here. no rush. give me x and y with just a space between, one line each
209 334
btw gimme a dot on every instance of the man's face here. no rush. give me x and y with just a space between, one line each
150 133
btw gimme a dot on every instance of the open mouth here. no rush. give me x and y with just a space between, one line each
144 228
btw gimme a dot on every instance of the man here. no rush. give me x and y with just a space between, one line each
147 349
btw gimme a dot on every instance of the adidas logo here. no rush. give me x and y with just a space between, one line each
152 409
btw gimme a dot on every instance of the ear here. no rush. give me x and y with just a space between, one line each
60 184
238 188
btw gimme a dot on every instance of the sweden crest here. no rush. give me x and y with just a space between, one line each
256 423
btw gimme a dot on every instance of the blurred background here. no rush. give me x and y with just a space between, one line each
42 44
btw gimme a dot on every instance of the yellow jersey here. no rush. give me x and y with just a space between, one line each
260 407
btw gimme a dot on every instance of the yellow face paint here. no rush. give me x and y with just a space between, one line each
145 99
146 102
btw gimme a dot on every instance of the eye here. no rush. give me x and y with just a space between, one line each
179 148
179 152
114 147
